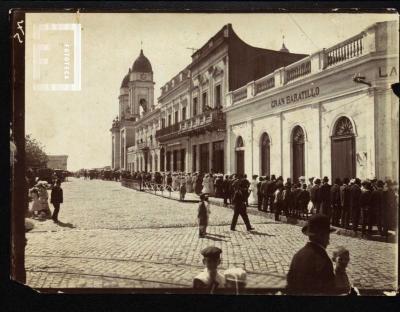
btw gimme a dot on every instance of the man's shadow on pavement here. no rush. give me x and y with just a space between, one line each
68 225
210 237
260 233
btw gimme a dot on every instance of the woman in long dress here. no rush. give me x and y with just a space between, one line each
43 199
189 185
211 184
206 184
253 200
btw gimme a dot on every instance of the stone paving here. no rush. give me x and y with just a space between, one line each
111 236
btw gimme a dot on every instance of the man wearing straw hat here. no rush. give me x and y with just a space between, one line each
311 270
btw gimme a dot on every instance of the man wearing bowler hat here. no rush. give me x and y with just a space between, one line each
311 270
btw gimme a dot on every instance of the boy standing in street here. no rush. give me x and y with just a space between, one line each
56 199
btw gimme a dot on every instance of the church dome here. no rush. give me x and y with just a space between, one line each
142 64
125 81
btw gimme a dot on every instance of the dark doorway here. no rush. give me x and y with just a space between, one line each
168 161
265 155
239 150
343 150
183 155
175 160
194 158
218 157
204 158
146 161
298 157
162 159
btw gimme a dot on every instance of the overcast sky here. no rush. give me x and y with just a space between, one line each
77 123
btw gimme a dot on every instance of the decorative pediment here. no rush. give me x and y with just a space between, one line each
217 71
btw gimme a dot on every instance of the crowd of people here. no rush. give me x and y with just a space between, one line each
348 203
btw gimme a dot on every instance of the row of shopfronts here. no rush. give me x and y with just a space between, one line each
331 113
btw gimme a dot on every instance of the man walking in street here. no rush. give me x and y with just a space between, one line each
239 205
56 198
311 270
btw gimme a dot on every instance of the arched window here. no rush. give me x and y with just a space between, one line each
298 157
239 150
343 149
265 155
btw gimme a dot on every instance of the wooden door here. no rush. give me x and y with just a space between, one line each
265 155
343 158
240 162
298 157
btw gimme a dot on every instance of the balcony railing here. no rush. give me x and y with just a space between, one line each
300 70
265 83
147 145
167 130
239 94
346 50
357 46
207 121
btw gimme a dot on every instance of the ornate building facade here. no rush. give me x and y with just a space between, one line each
332 113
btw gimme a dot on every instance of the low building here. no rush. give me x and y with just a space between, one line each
332 113
57 162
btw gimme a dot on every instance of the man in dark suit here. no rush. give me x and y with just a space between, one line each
225 190
311 270
325 194
335 202
270 192
355 203
345 203
315 195
264 193
259 193
239 205
56 198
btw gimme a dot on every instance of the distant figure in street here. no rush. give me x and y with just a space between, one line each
203 215
239 205
311 270
182 191
254 191
209 281
225 190
56 198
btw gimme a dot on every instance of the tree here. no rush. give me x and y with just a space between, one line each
34 153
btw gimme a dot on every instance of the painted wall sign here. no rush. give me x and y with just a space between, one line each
296 97
384 72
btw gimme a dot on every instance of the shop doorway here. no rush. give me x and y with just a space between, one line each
204 158
239 150
298 157
265 155
343 150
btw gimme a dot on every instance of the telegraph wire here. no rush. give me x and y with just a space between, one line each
301 29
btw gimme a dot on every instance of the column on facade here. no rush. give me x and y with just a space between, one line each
210 156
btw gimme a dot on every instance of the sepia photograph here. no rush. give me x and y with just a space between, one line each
205 153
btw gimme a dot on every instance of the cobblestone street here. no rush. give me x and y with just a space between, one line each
111 236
